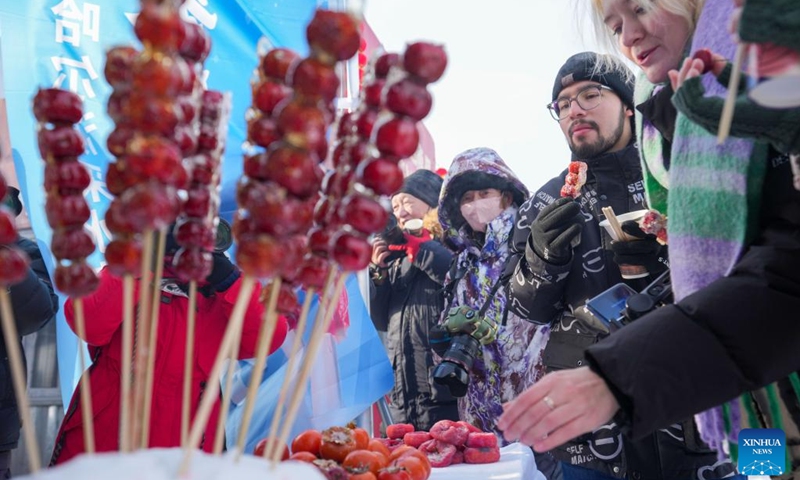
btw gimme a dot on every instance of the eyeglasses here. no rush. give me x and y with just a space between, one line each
588 99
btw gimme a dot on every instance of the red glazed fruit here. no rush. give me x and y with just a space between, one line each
192 264
425 60
287 303
333 36
199 202
314 80
385 62
314 272
268 94
399 430
3 187
57 106
72 244
383 176
77 279
302 125
409 98
352 252
397 137
481 455
60 142
69 211
66 177
194 233
373 93
364 214
365 122
118 139
119 66
196 44
263 131
152 114
13 266
294 169
705 56
458 458
162 75
472 428
124 257
277 62
8 229
259 256
160 27
346 125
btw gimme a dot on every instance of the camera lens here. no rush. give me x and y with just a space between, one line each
453 371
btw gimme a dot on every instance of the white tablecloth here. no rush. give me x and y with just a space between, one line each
516 463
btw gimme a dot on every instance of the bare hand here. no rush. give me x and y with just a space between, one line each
693 67
379 253
558 408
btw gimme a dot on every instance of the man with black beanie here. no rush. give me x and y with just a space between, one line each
408 270
564 258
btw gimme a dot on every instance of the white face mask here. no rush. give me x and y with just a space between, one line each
478 213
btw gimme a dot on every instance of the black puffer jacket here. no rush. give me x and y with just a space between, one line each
406 304
545 293
34 303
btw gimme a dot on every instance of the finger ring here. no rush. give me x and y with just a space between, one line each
549 402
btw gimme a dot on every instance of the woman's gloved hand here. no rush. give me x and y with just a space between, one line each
646 251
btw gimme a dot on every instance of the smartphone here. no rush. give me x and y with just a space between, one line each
609 305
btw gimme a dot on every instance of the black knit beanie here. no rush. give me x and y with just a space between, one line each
423 184
581 66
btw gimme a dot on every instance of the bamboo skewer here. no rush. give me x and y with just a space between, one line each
614 222
290 366
265 335
733 90
219 435
155 304
212 393
11 336
86 391
125 376
142 337
188 360
305 369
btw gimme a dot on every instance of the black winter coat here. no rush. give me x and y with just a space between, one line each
406 305
34 303
546 293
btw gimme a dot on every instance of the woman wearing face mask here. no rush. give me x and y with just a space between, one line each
477 208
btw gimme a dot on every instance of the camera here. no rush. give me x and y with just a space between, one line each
453 370
620 304
392 234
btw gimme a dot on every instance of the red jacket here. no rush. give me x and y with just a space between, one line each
103 311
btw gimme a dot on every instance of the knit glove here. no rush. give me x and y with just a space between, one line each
411 247
555 231
780 127
646 251
223 274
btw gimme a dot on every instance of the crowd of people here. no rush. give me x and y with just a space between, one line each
666 396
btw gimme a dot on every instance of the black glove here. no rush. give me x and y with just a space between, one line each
554 230
646 251
224 273
439 339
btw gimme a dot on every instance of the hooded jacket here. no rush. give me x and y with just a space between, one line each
405 303
553 294
509 365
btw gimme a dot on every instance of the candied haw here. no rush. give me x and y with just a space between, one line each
199 201
192 264
116 219
189 107
76 279
117 104
351 251
337 182
314 272
333 36
373 93
287 304
408 97
119 66
61 141
118 179
68 211
385 62
13 265
196 44
268 94
397 137
262 131
150 114
705 56
212 104
209 139
365 122
319 240
314 79
160 27
72 243
425 60
162 75
294 169
277 213
259 256
150 206
346 125
364 214
202 168
118 139
307 441
194 233
277 62
8 229
185 138
382 176
302 125
124 256
57 106
66 176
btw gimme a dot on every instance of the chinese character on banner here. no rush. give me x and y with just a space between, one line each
97 196
196 9
72 22
70 70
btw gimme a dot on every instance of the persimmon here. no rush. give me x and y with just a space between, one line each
307 441
303 457
416 467
360 460
361 437
337 443
377 446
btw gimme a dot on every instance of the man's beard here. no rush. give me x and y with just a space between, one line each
602 144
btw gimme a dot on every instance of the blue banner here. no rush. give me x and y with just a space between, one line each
351 372
46 43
